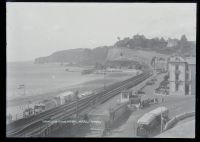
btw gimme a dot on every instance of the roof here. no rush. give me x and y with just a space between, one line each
148 117
191 60
188 60
40 104
176 59
159 110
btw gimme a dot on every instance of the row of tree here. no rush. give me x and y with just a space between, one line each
140 41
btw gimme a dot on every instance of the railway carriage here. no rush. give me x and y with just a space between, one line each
38 108
28 112
64 98
44 105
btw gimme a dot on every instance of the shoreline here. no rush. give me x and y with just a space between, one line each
93 84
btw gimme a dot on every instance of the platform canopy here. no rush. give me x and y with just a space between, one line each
148 117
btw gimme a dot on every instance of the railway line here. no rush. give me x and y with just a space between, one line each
34 125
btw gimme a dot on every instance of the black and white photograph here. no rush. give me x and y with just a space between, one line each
100 70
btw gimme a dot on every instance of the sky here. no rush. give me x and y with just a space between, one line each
39 29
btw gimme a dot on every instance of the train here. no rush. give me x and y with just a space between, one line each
64 98
58 100
69 96
28 112
49 104
44 105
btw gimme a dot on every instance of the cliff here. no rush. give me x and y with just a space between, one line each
77 56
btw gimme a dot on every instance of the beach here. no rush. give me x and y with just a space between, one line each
44 81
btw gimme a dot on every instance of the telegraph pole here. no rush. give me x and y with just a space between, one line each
104 86
104 80
76 94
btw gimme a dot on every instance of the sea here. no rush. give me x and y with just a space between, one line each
27 83
28 79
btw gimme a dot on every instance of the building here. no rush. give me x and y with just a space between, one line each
172 42
159 64
191 62
182 75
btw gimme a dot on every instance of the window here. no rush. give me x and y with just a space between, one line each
176 86
176 67
187 76
177 76
187 89
186 67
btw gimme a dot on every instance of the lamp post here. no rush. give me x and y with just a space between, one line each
22 86
29 102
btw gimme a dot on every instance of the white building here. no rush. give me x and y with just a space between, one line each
172 42
182 75
159 64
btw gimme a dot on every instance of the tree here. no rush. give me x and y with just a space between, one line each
183 38
162 39
184 44
163 43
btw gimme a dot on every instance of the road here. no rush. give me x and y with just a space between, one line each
176 105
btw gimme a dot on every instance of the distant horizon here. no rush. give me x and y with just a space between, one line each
89 48
19 61
39 29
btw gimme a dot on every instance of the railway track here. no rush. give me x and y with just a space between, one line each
34 124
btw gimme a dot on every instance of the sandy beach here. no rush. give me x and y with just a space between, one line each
38 89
